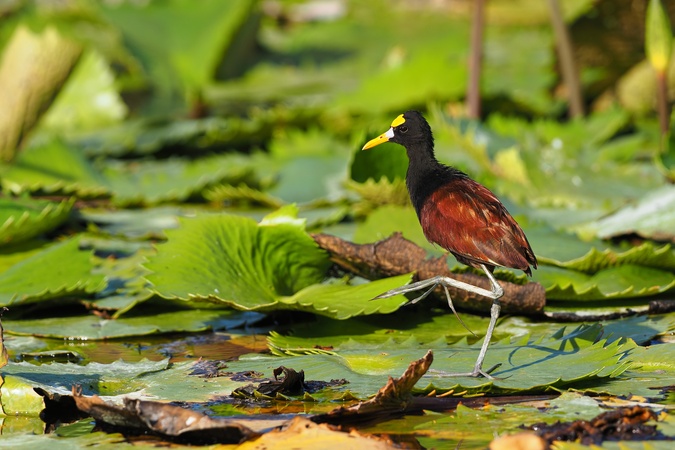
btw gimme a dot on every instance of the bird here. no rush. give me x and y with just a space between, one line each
460 215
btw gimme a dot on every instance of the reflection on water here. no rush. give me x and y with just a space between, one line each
215 346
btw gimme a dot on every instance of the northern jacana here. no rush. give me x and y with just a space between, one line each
460 215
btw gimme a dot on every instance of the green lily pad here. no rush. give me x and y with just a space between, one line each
135 223
90 327
11 255
528 365
647 254
375 194
241 194
100 439
419 326
126 286
320 217
54 168
411 64
145 136
94 378
314 156
561 249
342 301
652 217
57 271
650 373
152 182
24 218
235 261
409 325
262 267
18 396
477 427
626 281
186 53
322 177
567 171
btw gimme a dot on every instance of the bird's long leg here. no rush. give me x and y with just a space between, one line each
495 293
452 307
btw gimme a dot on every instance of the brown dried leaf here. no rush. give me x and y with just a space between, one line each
390 401
616 425
170 422
303 434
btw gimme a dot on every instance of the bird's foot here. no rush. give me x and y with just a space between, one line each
411 288
476 373
429 284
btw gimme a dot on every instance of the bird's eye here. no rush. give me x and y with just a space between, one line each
403 129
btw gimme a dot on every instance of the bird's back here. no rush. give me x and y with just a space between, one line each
467 219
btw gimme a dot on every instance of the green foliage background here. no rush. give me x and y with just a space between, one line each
174 183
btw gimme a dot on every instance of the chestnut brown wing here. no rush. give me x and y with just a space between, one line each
467 219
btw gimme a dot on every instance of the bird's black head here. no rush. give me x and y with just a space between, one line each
410 129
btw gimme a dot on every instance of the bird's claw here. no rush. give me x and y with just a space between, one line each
387 294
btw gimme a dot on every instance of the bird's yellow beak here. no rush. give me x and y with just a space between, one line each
384 137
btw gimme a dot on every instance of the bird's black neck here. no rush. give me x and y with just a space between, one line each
425 174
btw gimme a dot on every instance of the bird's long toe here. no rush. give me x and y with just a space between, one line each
390 293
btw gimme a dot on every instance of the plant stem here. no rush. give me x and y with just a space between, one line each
567 66
475 60
662 101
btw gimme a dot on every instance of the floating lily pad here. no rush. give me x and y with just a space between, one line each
321 178
126 286
652 217
343 301
241 194
90 327
411 64
477 427
421 326
24 218
262 267
57 271
650 373
135 223
54 168
378 193
314 156
188 50
236 261
94 378
152 182
567 171
528 365
566 250
626 281
145 136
